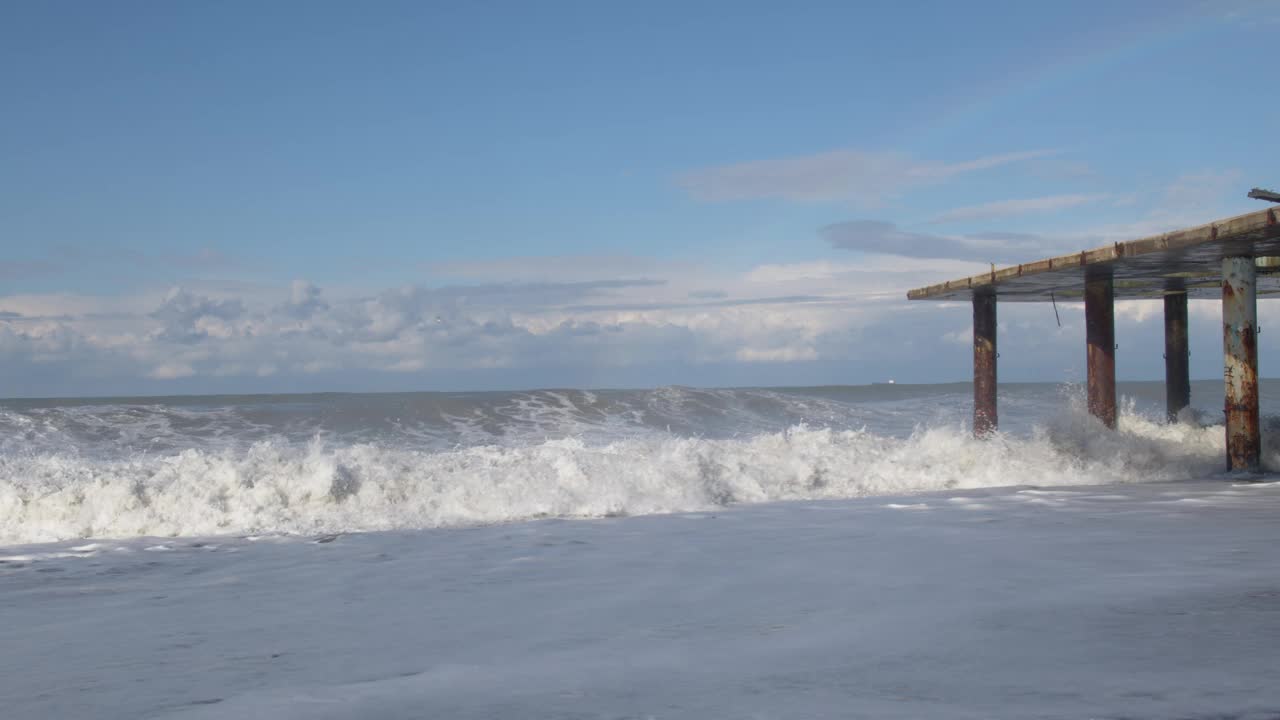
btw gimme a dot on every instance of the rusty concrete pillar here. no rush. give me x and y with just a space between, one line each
1177 371
1240 348
985 417
1100 334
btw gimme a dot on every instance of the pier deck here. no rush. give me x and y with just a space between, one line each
1184 261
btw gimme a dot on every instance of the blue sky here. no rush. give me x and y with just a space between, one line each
201 197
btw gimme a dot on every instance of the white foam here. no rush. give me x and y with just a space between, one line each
278 487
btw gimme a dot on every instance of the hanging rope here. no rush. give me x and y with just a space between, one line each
1055 308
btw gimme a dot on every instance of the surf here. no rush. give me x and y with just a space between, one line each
273 485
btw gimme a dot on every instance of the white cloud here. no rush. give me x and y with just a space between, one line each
185 317
69 304
302 331
885 238
868 269
776 355
862 329
1139 310
172 371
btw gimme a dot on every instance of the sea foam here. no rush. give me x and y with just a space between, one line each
321 487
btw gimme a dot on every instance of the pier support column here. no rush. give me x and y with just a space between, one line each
1240 348
1177 373
985 417
1100 333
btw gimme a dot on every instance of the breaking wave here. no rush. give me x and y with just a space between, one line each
277 486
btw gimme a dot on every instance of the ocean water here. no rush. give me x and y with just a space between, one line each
335 463
674 553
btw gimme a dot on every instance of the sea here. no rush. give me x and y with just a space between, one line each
339 463
671 553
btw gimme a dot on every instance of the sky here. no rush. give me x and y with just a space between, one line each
321 196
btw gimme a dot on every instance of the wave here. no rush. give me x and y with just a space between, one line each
279 487
431 421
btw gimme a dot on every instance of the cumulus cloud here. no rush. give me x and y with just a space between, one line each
858 327
305 300
42 341
184 338
186 317
863 177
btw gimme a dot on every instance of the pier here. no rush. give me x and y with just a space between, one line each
1236 260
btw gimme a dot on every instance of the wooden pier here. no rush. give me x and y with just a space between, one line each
1235 260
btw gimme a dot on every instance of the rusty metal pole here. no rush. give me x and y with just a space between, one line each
1100 334
1177 371
1240 348
985 417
